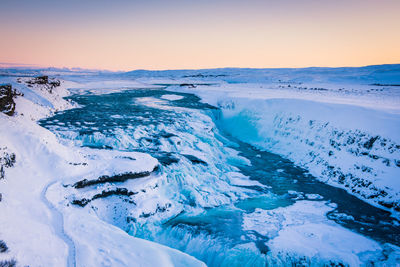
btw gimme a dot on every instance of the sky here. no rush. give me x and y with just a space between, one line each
185 34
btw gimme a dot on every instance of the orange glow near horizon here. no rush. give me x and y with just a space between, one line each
184 34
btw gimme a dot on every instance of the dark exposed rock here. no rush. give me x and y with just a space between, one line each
385 84
200 75
7 104
126 157
3 247
55 83
116 192
370 142
387 162
49 83
7 160
397 162
112 179
81 202
190 85
390 205
373 156
78 163
130 219
42 79
8 263
335 264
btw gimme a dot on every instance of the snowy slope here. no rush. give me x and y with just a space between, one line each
36 228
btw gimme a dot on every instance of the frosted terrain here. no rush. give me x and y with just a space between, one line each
239 167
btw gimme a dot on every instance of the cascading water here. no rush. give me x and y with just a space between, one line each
215 186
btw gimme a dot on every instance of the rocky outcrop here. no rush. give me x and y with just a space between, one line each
48 83
3 247
189 85
7 160
8 263
7 104
119 178
105 193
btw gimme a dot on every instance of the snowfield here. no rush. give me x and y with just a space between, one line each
341 125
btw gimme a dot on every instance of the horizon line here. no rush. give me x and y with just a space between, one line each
10 65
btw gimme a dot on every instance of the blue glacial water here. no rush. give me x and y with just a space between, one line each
199 158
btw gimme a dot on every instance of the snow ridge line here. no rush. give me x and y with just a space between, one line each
58 225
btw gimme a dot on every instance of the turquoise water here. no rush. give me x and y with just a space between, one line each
210 224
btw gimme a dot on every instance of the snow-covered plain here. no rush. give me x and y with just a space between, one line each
342 125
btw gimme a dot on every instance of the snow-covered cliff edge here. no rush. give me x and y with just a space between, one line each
345 134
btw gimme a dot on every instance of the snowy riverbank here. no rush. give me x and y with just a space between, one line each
345 133
34 226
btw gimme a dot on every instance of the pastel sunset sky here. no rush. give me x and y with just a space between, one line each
177 34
